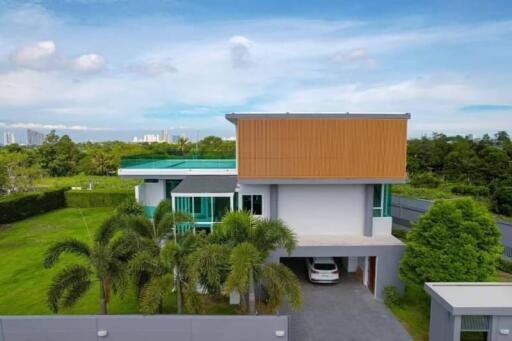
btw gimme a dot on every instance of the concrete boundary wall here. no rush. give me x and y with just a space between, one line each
407 210
145 328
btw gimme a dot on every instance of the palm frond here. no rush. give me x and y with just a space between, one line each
164 228
244 259
128 243
73 246
280 283
209 266
234 228
68 286
164 207
151 296
108 228
140 225
270 234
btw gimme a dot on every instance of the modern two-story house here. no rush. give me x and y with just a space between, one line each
327 176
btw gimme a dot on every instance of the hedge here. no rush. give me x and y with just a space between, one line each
23 205
96 198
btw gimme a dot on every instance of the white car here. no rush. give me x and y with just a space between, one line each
322 270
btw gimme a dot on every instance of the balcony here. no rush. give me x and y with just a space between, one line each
145 167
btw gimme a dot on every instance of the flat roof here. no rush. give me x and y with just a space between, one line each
233 117
473 298
159 168
345 240
206 184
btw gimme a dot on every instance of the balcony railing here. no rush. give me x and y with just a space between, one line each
178 163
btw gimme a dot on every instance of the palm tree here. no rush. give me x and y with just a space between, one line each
252 239
182 143
106 261
163 225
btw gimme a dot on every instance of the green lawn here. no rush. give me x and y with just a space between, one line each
23 280
98 182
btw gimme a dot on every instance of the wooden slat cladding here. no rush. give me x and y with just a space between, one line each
344 148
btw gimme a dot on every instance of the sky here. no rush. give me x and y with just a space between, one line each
105 69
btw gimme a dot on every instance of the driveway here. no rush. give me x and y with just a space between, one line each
345 311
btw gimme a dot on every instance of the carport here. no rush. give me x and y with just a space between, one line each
372 261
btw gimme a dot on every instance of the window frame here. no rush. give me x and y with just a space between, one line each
251 209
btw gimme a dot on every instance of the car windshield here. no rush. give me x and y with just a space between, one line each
324 266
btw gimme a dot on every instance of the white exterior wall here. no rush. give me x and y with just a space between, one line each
322 209
153 193
382 226
263 190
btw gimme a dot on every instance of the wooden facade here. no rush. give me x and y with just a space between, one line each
321 148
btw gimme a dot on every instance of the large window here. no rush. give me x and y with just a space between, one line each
381 200
253 204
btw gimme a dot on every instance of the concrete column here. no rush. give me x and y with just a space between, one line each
274 196
368 211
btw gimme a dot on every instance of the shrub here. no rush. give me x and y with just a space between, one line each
477 191
391 296
454 241
130 208
97 198
23 205
502 200
428 180
400 234
505 265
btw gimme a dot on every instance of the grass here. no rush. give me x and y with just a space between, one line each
98 182
442 192
413 312
24 281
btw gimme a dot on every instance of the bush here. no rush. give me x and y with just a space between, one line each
502 200
98 198
391 296
400 234
130 208
428 180
505 265
477 191
454 241
23 205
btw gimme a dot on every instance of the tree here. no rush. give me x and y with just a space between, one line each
454 241
248 267
105 262
163 225
59 156
16 174
251 241
502 200
182 143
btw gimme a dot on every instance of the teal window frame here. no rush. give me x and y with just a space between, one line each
205 210
382 200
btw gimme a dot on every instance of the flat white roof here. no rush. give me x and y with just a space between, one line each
473 298
345 240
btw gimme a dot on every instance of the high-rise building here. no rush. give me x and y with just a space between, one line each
165 135
34 138
175 138
9 138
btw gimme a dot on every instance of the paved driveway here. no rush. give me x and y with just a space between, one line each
342 312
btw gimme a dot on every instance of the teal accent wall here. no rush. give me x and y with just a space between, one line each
149 211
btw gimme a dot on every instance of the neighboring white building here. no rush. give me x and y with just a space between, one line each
327 176
9 138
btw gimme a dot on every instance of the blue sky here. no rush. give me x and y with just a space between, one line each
114 68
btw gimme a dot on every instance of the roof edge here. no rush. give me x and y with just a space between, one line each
233 117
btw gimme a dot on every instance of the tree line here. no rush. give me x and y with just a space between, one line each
481 167
60 156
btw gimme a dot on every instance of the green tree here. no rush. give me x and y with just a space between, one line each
105 263
454 241
16 174
59 156
251 241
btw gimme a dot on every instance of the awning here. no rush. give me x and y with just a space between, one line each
196 184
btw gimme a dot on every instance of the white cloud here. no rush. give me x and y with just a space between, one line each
88 63
28 125
38 56
154 68
240 51
355 57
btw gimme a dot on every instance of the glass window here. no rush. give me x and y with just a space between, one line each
247 203
253 204
170 185
150 180
221 205
256 205
377 195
